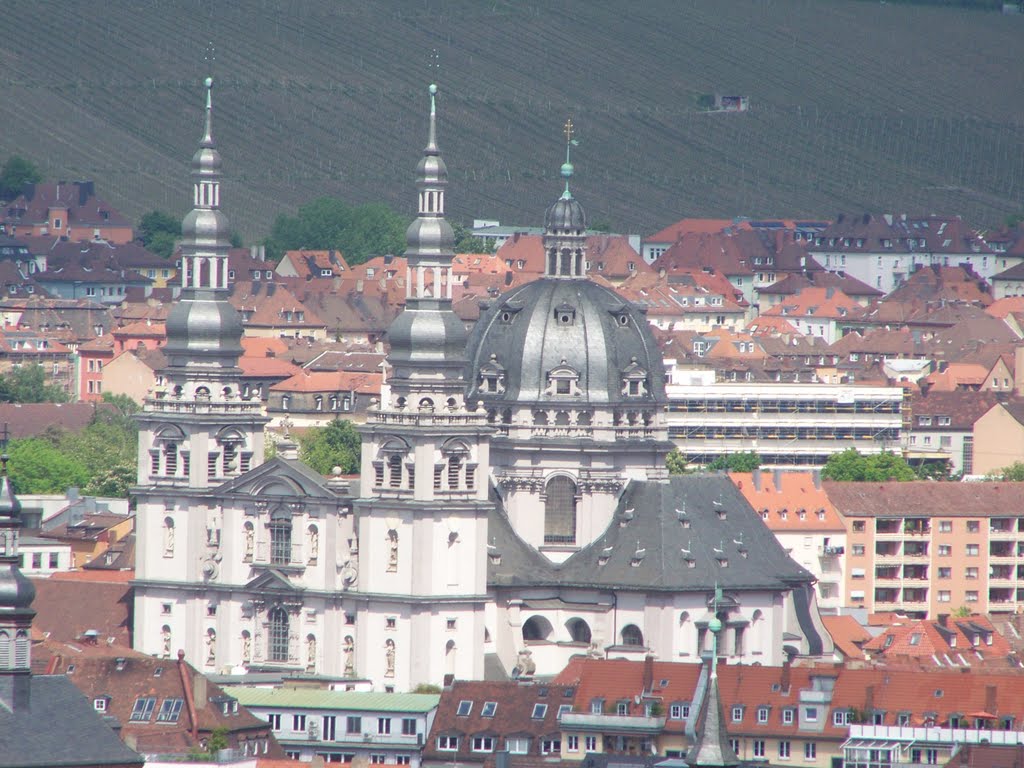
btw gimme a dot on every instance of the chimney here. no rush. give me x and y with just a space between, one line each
253 252
943 619
990 699
648 673
784 681
869 699
755 477
186 685
816 478
777 479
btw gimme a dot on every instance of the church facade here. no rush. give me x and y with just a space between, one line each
513 507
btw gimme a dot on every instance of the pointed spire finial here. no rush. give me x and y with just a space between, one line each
567 169
432 137
210 57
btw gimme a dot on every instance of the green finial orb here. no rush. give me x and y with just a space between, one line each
209 82
715 625
567 170
432 89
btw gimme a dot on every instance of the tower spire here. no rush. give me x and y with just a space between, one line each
567 168
712 748
207 140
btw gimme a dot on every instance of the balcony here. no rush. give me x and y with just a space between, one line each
831 551
612 723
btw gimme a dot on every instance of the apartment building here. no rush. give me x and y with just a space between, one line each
787 424
342 726
929 549
797 510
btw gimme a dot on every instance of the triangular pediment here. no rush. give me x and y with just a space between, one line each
281 478
272 580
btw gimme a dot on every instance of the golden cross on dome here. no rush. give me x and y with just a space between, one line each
568 130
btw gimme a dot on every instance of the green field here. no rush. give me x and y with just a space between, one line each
853 105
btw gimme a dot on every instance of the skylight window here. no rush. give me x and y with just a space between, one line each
490 707
170 709
143 709
465 707
539 710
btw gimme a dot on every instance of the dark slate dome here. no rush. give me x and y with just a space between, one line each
566 214
426 336
570 326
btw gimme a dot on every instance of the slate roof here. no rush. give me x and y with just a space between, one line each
60 728
794 283
643 547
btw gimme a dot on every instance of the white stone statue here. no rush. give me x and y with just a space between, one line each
314 543
246 648
165 642
250 541
389 658
211 647
393 550
349 649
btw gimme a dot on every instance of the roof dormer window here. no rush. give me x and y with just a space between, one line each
563 380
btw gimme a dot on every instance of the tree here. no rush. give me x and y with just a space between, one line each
745 461
359 232
676 462
1012 473
36 466
465 242
159 231
851 465
16 173
336 445
27 384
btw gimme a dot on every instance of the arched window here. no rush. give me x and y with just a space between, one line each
281 537
5 650
536 628
560 511
632 636
278 635
579 631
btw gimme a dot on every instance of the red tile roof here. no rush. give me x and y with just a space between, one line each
847 635
793 501
331 381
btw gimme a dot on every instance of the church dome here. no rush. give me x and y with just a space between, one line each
565 215
564 341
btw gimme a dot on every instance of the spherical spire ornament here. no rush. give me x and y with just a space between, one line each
432 89
567 170
208 82
715 625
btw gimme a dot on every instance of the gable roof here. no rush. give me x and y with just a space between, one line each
799 495
847 634
280 477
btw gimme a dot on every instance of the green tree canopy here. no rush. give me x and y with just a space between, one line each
676 462
16 173
336 445
851 465
359 232
745 461
37 466
27 384
100 459
159 231
1014 473
466 243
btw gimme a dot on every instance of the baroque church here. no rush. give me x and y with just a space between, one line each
512 510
